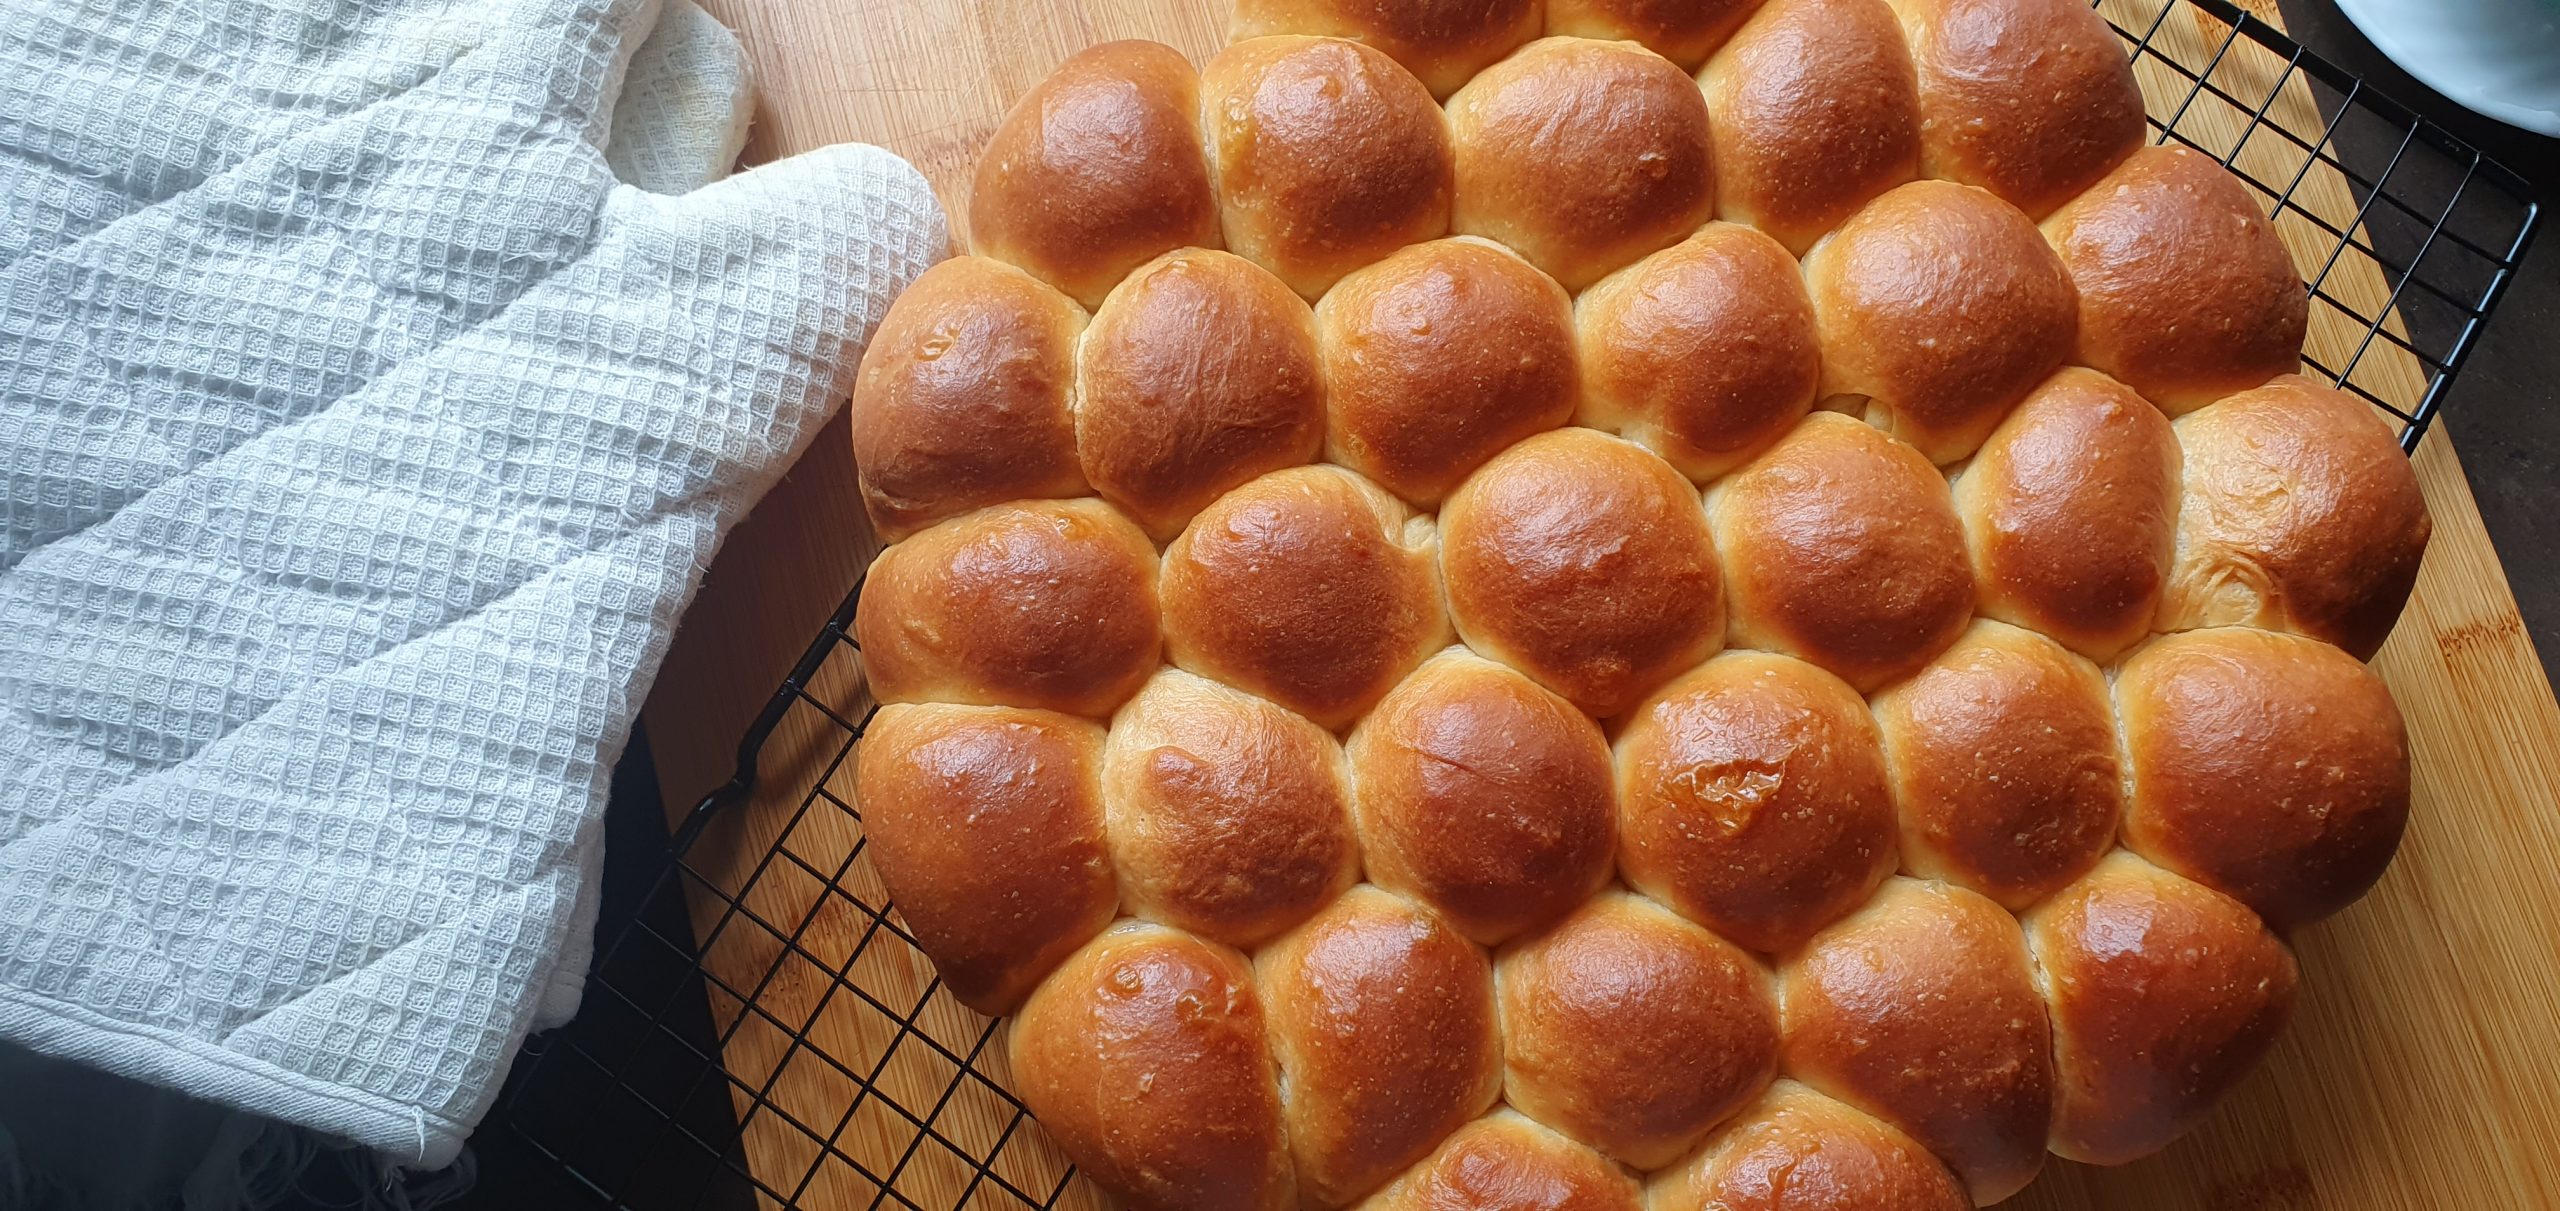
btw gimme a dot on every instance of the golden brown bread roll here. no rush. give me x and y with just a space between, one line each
2269 767
2186 292
1632 1030
1096 170
1581 155
2071 510
1752 799
1920 1009
2033 100
1484 795
1704 352
1144 1056
1048 604
1442 42
1383 1022
1814 112
1796 1150
2299 514
1507 1162
1198 373
1437 358
2003 758
962 400
1683 31
1227 815
986 824
1842 547
1325 156
1941 306
1311 587
1585 562
2162 994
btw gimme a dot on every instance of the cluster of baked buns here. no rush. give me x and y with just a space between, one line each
1701 603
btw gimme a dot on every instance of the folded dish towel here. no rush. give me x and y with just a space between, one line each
361 439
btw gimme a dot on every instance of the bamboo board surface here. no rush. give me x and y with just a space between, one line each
2422 1070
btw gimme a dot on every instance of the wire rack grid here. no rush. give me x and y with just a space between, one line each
779 1041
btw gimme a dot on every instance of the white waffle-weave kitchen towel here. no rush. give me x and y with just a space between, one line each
361 440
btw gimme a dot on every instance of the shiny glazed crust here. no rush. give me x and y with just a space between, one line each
1586 604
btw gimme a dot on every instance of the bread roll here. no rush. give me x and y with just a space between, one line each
1941 305
1198 373
1437 358
1311 587
1815 113
1632 1030
986 825
2299 514
2269 767
1228 816
1585 562
1752 798
1442 42
1704 352
2186 293
1047 604
1505 1162
2071 511
2033 100
1844 549
962 398
2003 758
1920 1009
1796 1150
1582 155
1144 1057
1096 170
1383 1022
2162 994
1325 155
1683 31
1483 795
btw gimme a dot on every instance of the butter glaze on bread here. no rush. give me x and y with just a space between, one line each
1097 170
2033 100
1585 562
2162 994
2299 514
2186 292
1704 352
1942 308
1507 1160
1325 156
1796 1150
1440 357
1144 1057
1815 113
1632 1030
1228 815
2071 509
965 397
1197 374
1581 156
1442 42
1484 795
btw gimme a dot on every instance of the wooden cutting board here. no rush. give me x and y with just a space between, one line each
2423 1069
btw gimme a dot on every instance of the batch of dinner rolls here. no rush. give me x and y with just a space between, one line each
1685 604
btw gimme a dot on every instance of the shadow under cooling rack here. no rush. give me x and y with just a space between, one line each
777 1040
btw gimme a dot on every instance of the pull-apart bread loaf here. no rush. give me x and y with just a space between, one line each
1611 604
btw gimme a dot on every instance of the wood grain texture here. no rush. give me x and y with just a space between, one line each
2421 1072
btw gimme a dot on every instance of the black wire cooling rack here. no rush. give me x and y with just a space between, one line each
780 1042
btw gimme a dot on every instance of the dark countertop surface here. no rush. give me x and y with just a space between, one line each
2504 407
